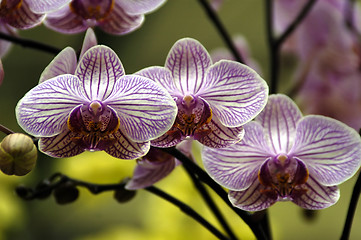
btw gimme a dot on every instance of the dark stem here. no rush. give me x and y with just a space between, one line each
211 204
58 179
6 130
30 43
351 209
276 43
204 177
222 31
187 210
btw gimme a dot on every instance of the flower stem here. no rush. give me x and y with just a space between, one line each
211 204
30 43
351 209
6 130
204 177
187 210
276 43
221 29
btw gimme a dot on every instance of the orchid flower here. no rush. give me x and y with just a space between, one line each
285 156
24 14
213 100
112 16
156 165
96 108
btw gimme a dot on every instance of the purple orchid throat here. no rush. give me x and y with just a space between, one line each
285 156
92 105
214 100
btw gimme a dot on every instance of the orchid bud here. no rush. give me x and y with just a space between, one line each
18 154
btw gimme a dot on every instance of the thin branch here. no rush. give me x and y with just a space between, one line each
30 43
351 209
187 210
276 43
204 177
221 29
6 130
211 204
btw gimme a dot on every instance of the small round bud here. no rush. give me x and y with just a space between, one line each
18 154
66 193
24 192
123 195
43 189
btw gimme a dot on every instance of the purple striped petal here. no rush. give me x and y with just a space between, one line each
99 69
44 110
61 145
234 167
64 63
316 196
65 21
162 76
125 148
188 62
171 138
46 6
135 7
119 22
147 173
254 198
235 92
145 109
90 41
215 135
21 17
330 149
279 119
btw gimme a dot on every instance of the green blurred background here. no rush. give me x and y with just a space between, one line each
146 216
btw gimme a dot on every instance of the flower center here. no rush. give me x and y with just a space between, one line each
7 8
193 113
283 176
94 125
92 9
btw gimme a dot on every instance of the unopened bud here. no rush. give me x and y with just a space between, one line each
66 193
18 154
123 195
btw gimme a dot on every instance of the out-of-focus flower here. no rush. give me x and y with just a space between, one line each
112 16
18 154
214 100
96 108
328 73
286 157
156 165
1 72
243 49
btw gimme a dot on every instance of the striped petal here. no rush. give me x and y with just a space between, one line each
279 118
162 76
254 198
171 138
22 17
120 22
330 149
61 145
99 69
145 109
134 7
188 62
236 166
90 40
64 63
147 173
316 196
215 135
46 6
65 21
235 92
44 110
125 148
